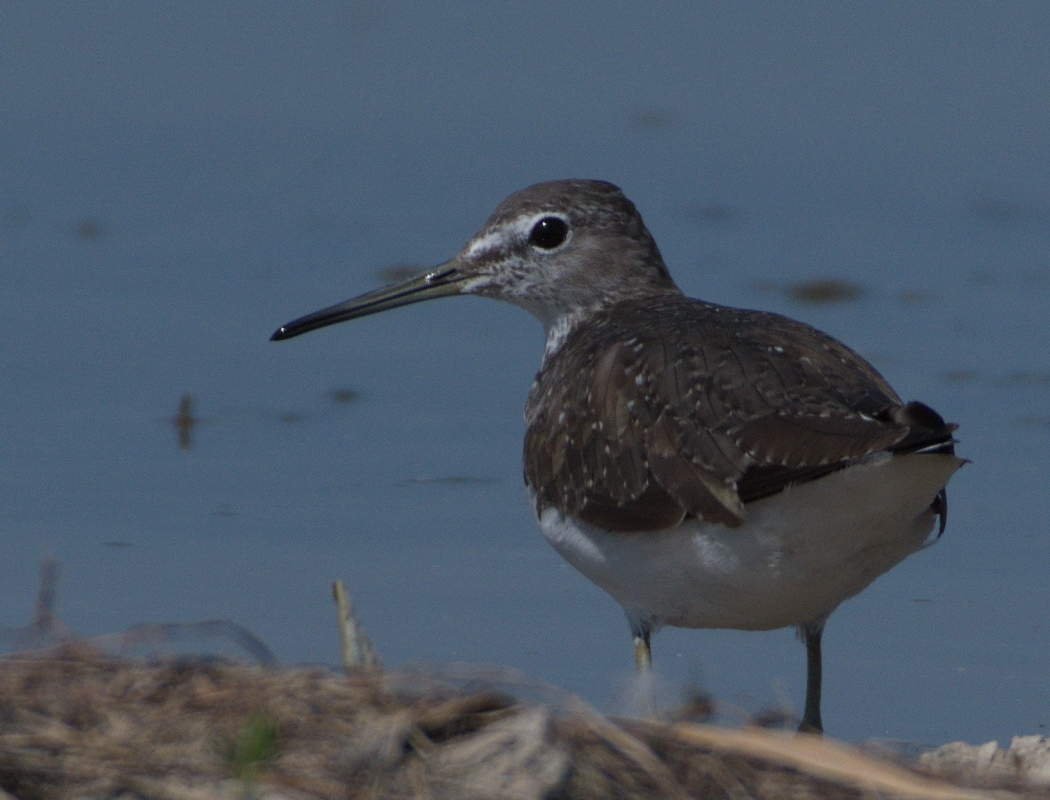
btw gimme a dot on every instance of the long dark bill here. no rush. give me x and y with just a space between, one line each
441 281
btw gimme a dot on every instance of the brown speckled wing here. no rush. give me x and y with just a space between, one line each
627 433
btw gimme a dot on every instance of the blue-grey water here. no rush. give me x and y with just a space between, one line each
177 180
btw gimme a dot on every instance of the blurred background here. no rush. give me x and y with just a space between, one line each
179 179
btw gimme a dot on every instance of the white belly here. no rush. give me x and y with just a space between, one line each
796 557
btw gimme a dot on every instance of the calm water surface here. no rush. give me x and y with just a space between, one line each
175 184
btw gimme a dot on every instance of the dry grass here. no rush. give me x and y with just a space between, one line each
74 723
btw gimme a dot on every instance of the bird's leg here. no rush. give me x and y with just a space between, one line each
643 662
811 633
643 654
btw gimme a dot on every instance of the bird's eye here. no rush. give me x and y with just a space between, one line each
548 233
